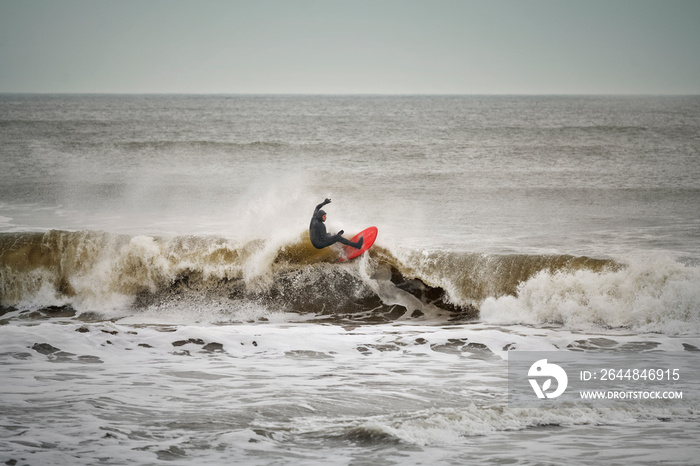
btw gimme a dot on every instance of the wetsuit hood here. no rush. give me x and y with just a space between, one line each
320 214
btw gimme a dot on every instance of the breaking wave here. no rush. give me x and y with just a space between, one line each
104 273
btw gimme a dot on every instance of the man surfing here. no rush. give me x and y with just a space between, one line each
317 231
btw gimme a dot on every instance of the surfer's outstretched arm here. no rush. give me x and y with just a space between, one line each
318 207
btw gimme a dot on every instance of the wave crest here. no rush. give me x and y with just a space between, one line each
93 271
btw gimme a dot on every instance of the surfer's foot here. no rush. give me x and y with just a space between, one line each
360 243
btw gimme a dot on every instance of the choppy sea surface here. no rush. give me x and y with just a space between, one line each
161 303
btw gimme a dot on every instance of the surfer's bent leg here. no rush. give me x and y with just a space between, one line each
346 242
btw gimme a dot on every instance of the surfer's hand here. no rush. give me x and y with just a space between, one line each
340 233
327 201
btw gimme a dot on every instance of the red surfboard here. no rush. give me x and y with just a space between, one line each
369 234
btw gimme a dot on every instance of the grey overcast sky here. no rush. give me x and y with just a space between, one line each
351 46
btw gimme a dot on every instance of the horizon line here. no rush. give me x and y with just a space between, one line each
349 94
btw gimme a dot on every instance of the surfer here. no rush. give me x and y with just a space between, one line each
317 231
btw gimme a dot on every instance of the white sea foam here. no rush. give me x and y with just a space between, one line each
185 392
660 296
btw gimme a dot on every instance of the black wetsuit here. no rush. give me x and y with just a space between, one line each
317 231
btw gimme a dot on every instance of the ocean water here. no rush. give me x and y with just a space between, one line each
160 301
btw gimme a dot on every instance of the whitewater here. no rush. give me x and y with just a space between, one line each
160 300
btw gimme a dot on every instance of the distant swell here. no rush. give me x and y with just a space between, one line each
202 145
98 272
